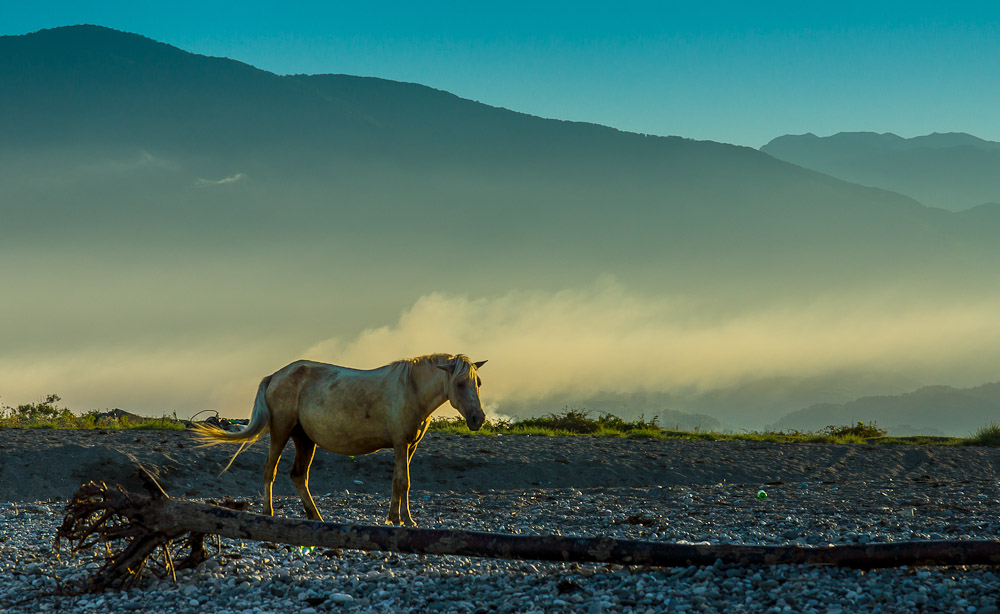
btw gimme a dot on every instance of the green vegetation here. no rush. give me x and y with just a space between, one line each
46 414
43 411
574 422
988 435
860 430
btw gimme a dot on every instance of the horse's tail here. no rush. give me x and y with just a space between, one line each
260 423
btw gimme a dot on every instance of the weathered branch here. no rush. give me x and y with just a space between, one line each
153 521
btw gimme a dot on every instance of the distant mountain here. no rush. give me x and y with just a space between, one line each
745 406
166 127
630 407
147 193
953 171
930 410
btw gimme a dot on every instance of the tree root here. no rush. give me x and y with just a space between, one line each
98 514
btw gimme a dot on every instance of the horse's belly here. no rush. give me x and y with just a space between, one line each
335 434
356 447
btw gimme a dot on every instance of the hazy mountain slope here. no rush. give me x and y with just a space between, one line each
748 405
404 157
954 171
949 410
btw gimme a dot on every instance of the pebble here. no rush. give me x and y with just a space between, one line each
253 578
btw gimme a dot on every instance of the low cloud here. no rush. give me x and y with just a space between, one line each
604 337
569 344
221 375
223 181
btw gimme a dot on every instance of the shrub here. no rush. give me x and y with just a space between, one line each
43 411
613 422
571 420
860 430
988 435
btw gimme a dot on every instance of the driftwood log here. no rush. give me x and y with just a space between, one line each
148 523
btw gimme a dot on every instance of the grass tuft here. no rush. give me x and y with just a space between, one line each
988 435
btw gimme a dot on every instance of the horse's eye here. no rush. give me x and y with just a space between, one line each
479 382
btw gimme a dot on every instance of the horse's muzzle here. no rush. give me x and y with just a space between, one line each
476 421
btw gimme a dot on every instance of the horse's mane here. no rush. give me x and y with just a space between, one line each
435 359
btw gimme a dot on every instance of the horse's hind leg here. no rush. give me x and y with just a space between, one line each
278 441
305 448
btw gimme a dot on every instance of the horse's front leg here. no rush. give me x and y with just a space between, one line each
399 506
404 502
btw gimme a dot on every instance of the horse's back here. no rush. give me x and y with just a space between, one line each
288 383
343 410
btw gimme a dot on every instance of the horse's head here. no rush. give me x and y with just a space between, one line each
463 390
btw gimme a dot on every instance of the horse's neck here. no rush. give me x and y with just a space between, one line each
429 386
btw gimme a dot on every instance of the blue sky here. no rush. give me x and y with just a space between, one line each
736 72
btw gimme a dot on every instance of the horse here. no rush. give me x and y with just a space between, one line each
352 411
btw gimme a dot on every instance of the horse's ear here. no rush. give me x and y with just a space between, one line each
480 363
448 368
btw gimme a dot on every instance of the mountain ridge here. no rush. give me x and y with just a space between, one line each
938 408
297 114
328 143
954 171
337 147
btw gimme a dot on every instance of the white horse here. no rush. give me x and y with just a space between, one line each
350 411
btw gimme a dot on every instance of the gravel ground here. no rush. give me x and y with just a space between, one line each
255 577
259 577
